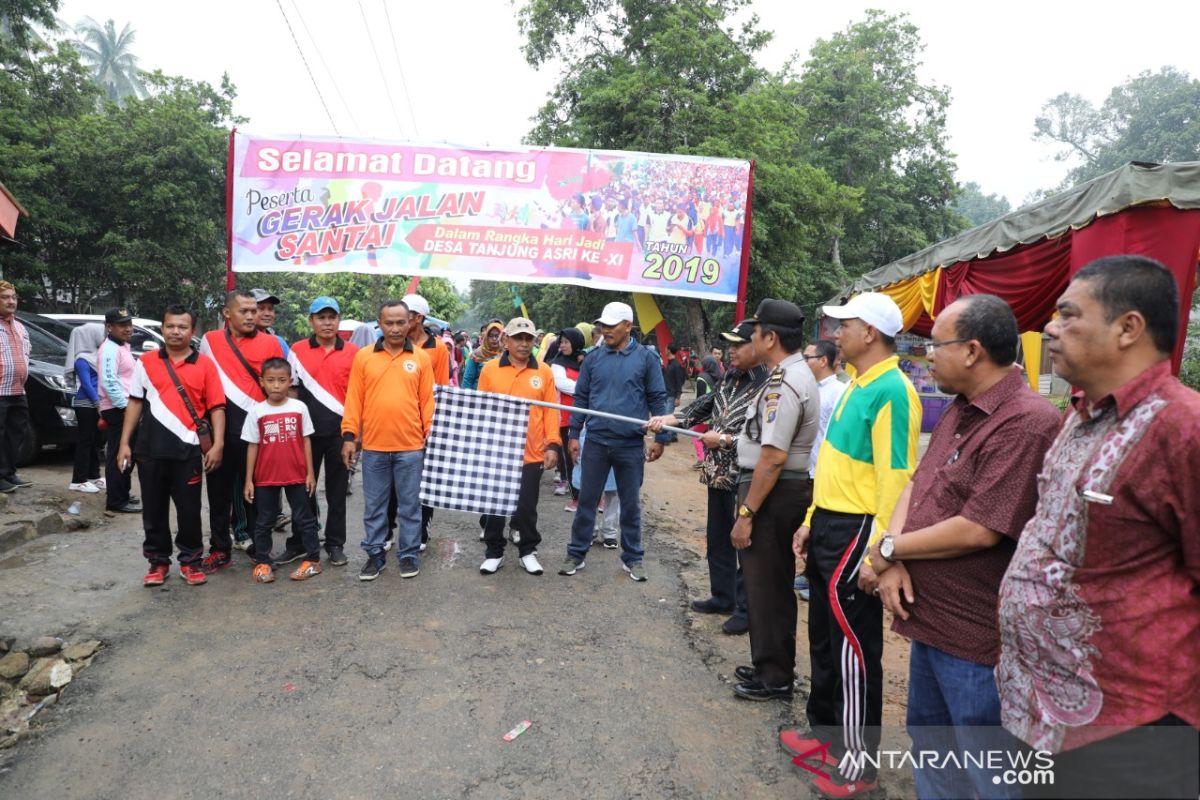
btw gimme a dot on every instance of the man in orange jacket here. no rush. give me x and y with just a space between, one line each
389 409
518 374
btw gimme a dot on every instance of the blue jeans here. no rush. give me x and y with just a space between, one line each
627 464
381 473
953 705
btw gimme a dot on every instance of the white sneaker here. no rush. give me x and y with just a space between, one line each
490 565
243 544
100 484
423 546
514 536
531 564
560 488
387 545
87 487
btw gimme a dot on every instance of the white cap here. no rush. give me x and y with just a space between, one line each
874 308
417 304
614 313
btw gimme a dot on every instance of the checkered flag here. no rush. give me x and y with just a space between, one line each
475 451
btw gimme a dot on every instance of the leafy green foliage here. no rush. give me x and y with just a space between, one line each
978 208
126 203
1152 117
873 125
108 54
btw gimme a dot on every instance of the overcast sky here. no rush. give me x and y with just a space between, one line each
468 84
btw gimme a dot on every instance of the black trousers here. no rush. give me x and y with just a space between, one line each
327 452
14 422
524 520
87 445
117 483
845 641
268 502
770 568
724 577
165 482
565 463
226 505
1161 759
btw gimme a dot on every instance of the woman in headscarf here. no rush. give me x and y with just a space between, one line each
565 368
81 358
489 348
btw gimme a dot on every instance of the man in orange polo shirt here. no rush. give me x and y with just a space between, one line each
389 410
516 373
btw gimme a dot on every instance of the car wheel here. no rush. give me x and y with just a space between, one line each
30 448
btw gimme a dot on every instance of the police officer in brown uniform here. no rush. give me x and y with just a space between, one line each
774 491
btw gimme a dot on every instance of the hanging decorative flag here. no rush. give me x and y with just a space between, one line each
474 452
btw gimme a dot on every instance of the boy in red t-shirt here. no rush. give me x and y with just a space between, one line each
279 461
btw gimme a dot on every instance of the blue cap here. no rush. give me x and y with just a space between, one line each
322 303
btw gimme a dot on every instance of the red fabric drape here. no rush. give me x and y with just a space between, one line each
1029 278
1167 234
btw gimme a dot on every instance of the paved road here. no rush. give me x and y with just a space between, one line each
400 688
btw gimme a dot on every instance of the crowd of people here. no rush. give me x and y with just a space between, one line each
1044 566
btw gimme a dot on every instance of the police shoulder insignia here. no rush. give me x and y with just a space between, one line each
776 376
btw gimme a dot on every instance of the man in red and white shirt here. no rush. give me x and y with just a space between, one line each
14 370
1100 606
170 463
320 373
239 337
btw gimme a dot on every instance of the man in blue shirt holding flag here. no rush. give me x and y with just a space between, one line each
619 377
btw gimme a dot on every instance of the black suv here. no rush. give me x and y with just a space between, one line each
50 387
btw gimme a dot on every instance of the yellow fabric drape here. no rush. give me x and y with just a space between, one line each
647 312
915 295
1031 346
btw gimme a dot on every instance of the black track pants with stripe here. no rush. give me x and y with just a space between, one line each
845 642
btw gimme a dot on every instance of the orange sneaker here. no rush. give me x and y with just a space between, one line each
263 573
192 576
306 570
157 574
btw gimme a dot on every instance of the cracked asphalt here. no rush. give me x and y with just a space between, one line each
337 688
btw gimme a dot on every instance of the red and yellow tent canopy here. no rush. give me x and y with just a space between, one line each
1029 256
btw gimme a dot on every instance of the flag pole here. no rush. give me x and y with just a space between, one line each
607 415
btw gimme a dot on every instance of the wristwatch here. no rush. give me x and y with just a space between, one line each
746 512
887 546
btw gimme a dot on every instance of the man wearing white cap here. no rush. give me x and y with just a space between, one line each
418 310
619 377
868 455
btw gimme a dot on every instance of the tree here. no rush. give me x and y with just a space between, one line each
873 125
681 78
114 66
1153 117
978 208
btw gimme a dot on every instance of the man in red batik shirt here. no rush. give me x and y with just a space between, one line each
1100 607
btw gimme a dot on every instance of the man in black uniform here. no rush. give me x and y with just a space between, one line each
774 492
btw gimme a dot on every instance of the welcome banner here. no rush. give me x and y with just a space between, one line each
641 222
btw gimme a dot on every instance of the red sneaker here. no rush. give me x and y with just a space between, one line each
157 574
214 561
800 743
192 576
306 570
838 789
263 573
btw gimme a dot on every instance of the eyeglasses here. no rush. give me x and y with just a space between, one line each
810 358
932 345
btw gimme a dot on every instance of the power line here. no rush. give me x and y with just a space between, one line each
311 77
328 71
387 87
403 81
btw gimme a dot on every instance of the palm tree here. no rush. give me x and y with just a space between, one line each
114 67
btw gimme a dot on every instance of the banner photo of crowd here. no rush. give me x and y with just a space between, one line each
641 222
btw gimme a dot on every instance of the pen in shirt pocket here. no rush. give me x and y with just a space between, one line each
1096 497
